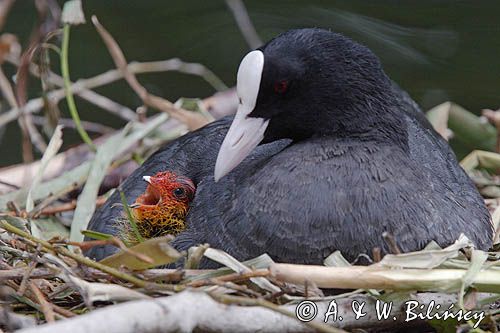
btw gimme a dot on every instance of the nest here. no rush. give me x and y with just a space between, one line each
47 285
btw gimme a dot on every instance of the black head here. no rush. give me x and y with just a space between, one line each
304 83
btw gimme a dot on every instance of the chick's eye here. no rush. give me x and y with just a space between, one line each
280 87
179 192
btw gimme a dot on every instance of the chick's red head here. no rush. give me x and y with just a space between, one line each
163 207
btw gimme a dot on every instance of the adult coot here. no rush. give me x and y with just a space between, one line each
325 153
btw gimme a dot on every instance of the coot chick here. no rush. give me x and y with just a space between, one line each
363 160
161 209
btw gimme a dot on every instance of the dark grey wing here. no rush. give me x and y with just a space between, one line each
319 196
430 150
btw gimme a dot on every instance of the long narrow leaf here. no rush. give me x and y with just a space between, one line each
85 205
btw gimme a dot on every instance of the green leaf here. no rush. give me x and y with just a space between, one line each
429 257
158 249
96 235
336 259
85 205
478 258
51 151
49 228
131 218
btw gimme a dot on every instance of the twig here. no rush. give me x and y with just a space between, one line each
194 256
191 119
90 96
45 305
377 254
81 259
391 243
380 277
9 273
234 277
185 312
8 93
112 241
5 6
24 282
102 79
69 123
131 218
19 273
244 23
318 326
66 207
494 118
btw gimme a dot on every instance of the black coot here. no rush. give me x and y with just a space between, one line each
325 153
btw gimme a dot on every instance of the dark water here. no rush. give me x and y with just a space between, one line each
437 50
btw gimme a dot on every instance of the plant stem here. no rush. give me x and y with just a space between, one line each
131 218
81 259
67 88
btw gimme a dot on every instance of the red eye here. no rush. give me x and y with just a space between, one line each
280 87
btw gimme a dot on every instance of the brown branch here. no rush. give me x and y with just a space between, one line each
27 274
5 6
34 105
191 119
112 241
90 96
69 123
9 273
45 305
66 207
234 277
244 23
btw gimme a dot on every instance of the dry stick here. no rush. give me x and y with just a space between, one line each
45 305
102 79
5 6
52 210
494 118
234 277
21 82
18 273
237 287
90 96
191 119
24 282
391 242
318 326
8 93
184 312
62 311
380 277
68 123
9 273
112 241
86 261
244 23
65 207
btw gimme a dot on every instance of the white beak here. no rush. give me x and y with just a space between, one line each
245 132
147 179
